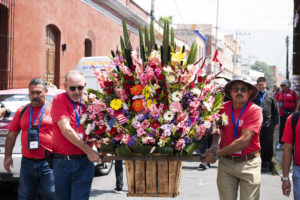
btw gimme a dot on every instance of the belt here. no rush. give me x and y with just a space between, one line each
244 157
35 159
68 157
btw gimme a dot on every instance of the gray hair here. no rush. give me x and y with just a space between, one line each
38 81
73 72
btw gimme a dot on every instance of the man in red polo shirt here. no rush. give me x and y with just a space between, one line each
36 124
292 143
73 166
288 103
240 162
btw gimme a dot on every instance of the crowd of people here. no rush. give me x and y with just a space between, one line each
58 163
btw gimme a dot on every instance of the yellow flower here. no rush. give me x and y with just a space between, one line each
146 92
116 104
149 102
178 57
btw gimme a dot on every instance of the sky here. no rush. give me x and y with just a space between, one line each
260 25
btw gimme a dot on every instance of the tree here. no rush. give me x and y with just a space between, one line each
269 72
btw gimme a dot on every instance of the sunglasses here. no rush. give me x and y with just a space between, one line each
236 89
73 88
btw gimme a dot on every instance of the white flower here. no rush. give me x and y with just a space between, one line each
176 96
161 143
168 116
83 118
88 129
168 69
196 91
170 79
224 119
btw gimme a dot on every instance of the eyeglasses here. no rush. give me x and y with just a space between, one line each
73 88
236 89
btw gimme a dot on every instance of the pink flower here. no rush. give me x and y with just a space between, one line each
118 137
126 139
148 140
92 96
180 144
182 117
84 98
140 132
145 124
176 107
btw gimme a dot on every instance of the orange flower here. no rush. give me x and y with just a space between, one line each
136 90
138 105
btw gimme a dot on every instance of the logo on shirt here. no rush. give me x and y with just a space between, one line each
241 122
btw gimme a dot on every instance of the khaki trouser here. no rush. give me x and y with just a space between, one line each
233 174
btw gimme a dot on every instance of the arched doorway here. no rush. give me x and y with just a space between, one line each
87 48
52 55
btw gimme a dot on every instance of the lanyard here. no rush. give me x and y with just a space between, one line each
41 113
77 113
261 98
235 126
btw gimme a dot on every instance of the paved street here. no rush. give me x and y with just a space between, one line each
195 184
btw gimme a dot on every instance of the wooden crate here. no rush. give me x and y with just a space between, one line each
149 178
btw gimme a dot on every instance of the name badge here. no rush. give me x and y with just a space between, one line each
238 152
33 138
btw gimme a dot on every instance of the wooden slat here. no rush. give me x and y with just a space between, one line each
129 166
195 157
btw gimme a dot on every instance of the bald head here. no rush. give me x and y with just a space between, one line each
74 85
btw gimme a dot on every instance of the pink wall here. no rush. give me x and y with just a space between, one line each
76 22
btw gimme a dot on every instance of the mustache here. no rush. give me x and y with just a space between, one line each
239 95
36 99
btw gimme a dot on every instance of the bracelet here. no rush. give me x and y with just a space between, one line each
285 179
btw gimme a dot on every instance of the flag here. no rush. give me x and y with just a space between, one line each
215 58
121 118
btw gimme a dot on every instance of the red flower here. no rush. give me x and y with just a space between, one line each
106 83
155 124
133 67
165 107
158 91
200 79
161 77
111 83
113 132
109 91
100 131
126 85
192 85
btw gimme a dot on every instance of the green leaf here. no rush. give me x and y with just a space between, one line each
147 42
189 149
152 34
172 39
123 151
126 35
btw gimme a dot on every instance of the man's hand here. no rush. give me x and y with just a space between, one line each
8 162
94 156
211 156
286 188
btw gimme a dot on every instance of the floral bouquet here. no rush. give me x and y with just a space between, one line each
152 100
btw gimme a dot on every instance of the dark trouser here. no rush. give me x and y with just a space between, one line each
119 173
266 142
281 128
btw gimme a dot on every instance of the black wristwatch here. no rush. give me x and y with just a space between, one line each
285 179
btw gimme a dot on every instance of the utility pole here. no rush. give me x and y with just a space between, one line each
296 41
152 10
216 37
287 57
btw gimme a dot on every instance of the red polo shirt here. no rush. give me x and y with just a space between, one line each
62 108
45 131
288 100
287 137
251 119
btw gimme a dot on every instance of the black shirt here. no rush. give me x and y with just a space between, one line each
269 108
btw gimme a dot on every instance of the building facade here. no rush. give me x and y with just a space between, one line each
47 38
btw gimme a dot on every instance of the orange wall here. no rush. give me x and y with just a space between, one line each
76 22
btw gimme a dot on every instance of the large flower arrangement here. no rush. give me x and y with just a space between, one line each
152 100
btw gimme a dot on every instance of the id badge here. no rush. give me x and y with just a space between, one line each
281 104
238 152
33 138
